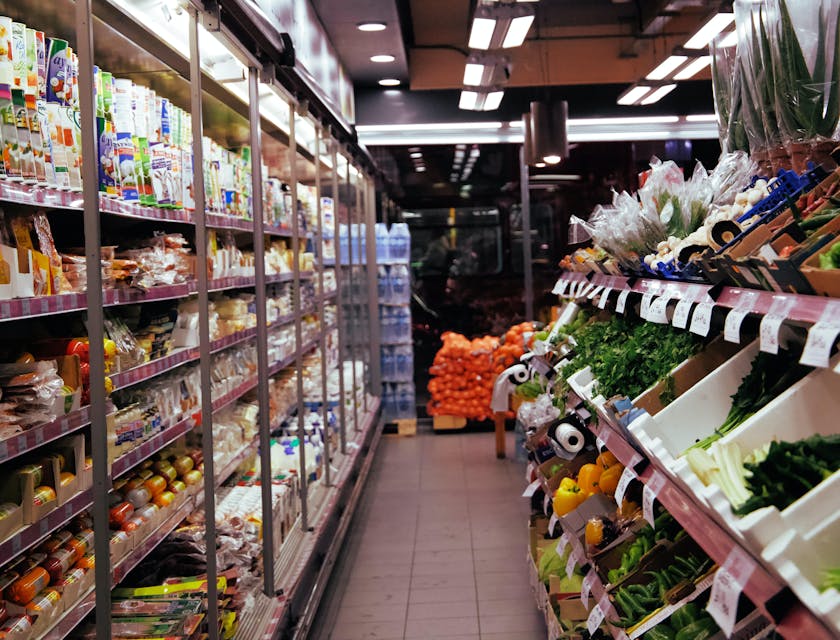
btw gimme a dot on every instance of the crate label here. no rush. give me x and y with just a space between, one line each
683 308
647 298
596 617
658 311
701 320
562 543
771 323
602 301
570 564
735 318
622 301
651 490
627 476
531 489
728 583
586 587
595 291
560 287
822 335
552 524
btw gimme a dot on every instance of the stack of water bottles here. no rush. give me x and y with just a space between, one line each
393 250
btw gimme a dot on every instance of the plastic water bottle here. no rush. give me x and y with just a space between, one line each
362 259
389 401
405 401
402 324
400 243
343 244
403 363
382 242
386 323
384 286
389 363
399 284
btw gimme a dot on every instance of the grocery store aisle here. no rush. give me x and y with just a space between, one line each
437 548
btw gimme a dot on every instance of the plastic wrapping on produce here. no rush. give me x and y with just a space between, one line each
534 415
728 89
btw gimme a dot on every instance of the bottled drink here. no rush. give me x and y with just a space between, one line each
389 363
384 286
400 243
405 401
399 281
343 244
382 242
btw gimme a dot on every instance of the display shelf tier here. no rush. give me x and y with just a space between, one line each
132 458
43 434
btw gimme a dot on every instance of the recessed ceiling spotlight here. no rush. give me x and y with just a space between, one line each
389 82
371 26
416 154
382 58
420 169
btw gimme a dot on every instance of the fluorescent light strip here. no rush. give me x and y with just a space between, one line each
666 68
634 95
468 100
708 31
693 68
593 122
473 74
658 94
493 100
703 117
517 32
441 126
482 33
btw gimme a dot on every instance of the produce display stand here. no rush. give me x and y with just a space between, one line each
763 586
293 137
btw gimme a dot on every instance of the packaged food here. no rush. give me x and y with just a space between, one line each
147 512
66 478
183 464
81 542
27 586
8 509
71 577
82 521
156 607
164 499
177 486
7 578
34 470
43 495
87 561
59 562
44 602
133 524
156 484
139 497
168 472
16 626
28 562
192 477
56 541
120 513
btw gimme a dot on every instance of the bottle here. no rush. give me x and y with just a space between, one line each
384 287
388 361
399 284
402 325
382 242
405 401
343 244
400 243
362 259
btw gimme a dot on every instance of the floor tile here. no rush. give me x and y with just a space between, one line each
441 627
463 579
368 597
431 610
437 594
369 631
513 624
456 567
377 612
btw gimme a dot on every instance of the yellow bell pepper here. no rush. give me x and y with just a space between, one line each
568 497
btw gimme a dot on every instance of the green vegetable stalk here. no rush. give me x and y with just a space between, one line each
831 258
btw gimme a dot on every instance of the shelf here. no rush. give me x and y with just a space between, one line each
247 451
153 368
42 434
35 533
132 458
278 277
23 308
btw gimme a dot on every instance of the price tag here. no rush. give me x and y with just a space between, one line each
570 564
560 287
596 617
602 439
627 476
734 319
586 588
822 335
659 309
683 308
595 291
562 543
651 490
645 308
531 489
528 471
771 323
546 504
602 301
552 523
701 320
727 586
622 300
584 290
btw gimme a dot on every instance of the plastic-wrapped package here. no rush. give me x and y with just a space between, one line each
728 89
539 413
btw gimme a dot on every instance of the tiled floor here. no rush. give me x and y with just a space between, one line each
437 548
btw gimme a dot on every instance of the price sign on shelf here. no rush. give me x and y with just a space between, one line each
651 490
596 617
562 543
622 300
586 587
771 323
552 523
728 583
570 563
701 320
605 296
595 291
560 287
683 308
659 309
822 336
627 476
647 298
531 489
734 319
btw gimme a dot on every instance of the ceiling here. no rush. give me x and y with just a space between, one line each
583 51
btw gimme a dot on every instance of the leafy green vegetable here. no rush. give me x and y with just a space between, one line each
531 389
768 377
790 470
831 579
831 258
627 357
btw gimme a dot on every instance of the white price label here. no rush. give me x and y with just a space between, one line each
652 488
552 523
735 318
595 291
531 489
681 311
622 301
562 543
529 470
605 296
586 292
570 564
658 311
728 583
822 336
596 617
586 588
560 287
546 504
627 476
701 320
645 308
771 323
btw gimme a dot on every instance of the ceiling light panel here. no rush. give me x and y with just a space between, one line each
658 94
468 100
497 26
708 31
633 95
371 26
665 69
482 33
693 68
473 74
517 32
389 82
383 57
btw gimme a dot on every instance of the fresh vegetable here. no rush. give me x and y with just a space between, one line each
606 459
608 482
660 632
769 375
600 531
790 470
704 627
831 579
831 258
551 563
628 356
588 478
666 528
723 465
568 497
